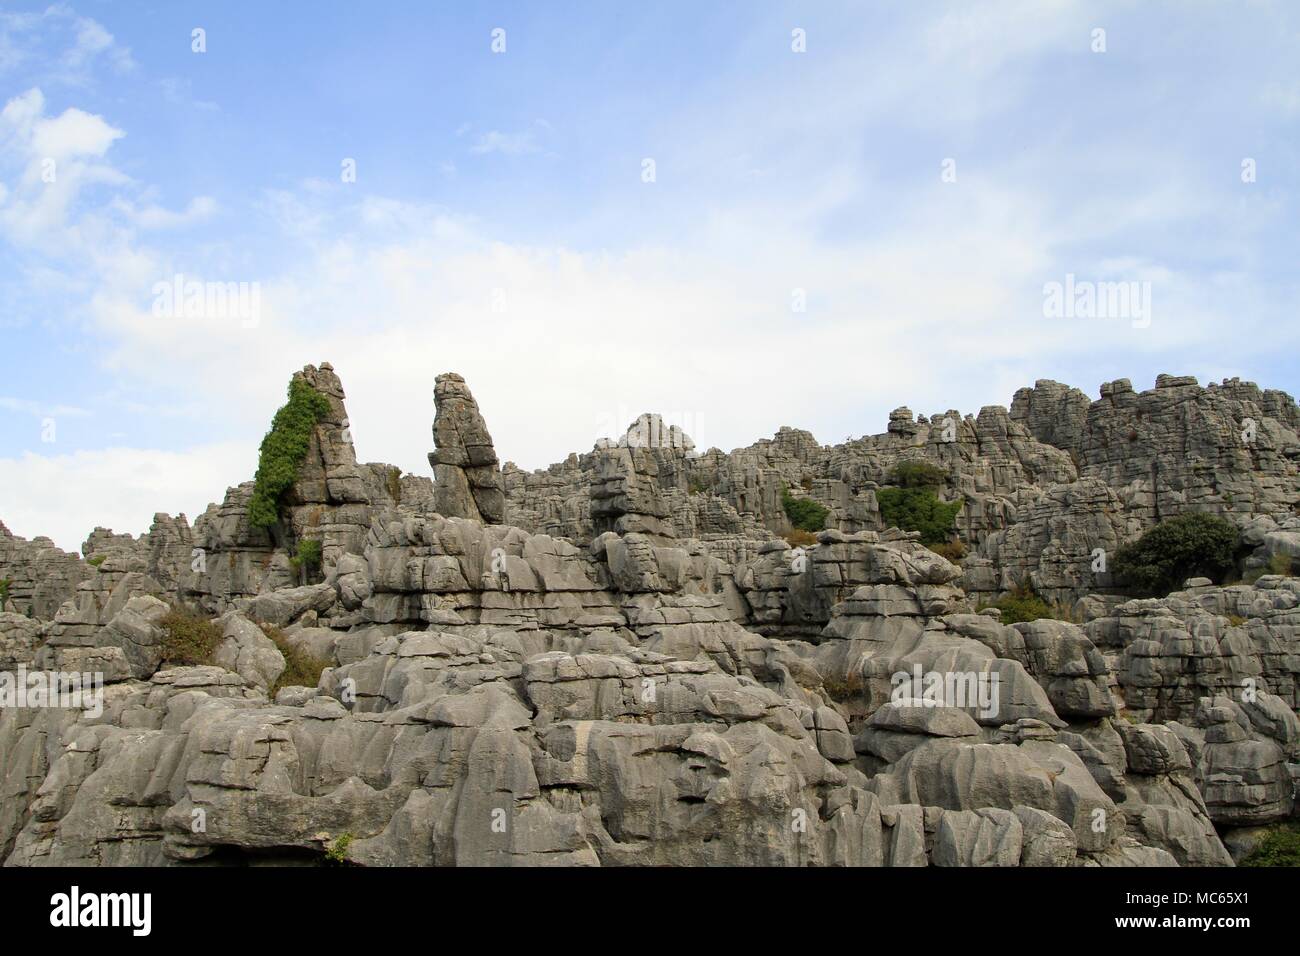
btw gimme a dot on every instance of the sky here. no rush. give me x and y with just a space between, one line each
739 215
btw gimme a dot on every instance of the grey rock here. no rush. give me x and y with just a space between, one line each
248 652
467 475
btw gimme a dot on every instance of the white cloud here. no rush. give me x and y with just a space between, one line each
581 340
72 133
562 346
22 111
59 45
65 497
56 159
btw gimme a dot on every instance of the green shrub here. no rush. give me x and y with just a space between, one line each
336 854
189 638
4 591
1022 604
918 474
804 513
308 559
1190 545
1281 847
918 509
283 450
97 560
301 668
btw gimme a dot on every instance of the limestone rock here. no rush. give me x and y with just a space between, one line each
248 652
640 670
467 475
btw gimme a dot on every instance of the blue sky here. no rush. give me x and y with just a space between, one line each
499 224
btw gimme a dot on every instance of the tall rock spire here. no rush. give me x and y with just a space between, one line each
329 474
466 471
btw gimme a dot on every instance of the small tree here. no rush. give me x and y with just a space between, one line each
307 561
1190 545
918 509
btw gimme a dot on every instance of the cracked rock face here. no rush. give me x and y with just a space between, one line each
639 671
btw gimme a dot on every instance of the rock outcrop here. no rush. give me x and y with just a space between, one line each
467 474
640 670
39 576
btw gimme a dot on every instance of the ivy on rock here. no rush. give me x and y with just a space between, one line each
283 450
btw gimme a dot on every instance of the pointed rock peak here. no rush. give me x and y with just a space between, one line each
459 433
467 472
333 434
323 380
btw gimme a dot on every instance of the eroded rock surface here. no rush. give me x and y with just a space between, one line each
639 670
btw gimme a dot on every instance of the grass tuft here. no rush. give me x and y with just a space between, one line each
301 668
189 638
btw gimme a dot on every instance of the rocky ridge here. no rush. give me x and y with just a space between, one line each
620 660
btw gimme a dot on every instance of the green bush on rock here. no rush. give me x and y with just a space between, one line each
918 509
804 513
307 561
189 638
283 450
1022 604
910 502
918 474
1280 847
1190 545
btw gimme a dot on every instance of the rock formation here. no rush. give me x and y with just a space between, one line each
639 669
467 474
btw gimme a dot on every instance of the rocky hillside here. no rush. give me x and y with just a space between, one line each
646 655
